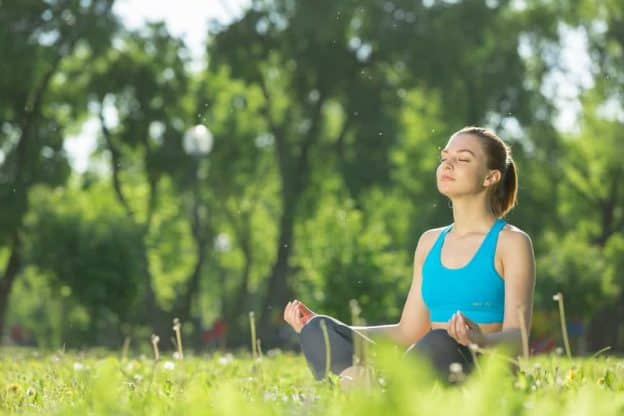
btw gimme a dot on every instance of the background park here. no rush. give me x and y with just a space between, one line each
229 156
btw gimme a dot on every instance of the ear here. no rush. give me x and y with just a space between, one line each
492 178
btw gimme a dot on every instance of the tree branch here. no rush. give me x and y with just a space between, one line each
115 164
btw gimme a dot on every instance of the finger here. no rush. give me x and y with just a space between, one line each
451 327
469 322
293 313
290 314
463 334
286 311
459 328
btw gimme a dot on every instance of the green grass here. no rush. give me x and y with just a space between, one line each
98 382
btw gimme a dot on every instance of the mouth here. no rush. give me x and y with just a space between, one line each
446 178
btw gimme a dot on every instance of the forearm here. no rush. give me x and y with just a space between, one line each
391 331
511 338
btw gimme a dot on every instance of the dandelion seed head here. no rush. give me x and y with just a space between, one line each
456 368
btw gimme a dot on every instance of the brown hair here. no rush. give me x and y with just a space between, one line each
503 195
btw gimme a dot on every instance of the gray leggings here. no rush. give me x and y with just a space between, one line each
436 346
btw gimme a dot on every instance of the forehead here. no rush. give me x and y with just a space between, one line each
464 141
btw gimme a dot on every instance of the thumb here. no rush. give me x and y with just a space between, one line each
469 322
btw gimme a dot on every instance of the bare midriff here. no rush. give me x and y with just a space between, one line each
485 328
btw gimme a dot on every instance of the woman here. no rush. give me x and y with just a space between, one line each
473 280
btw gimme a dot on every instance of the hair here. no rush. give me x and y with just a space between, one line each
503 195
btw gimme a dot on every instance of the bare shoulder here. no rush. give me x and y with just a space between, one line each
426 241
513 239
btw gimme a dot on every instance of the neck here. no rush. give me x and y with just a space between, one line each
471 214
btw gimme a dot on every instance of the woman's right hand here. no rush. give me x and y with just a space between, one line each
296 314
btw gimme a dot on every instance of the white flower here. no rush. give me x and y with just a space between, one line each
226 359
456 368
269 395
168 365
78 366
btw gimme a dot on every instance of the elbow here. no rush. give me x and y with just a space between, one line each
408 336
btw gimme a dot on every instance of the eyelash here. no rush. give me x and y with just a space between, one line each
461 160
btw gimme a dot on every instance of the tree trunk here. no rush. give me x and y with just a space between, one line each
10 273
278 290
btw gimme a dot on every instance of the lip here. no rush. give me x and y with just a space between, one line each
446 178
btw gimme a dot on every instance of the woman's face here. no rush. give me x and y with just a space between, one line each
463 167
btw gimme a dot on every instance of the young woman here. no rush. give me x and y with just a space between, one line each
473 280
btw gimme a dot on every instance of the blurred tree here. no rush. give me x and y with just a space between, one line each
332 95
36 37
75 238
237 191
137 91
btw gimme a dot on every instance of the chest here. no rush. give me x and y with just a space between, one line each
459 252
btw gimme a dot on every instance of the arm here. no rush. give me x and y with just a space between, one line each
519 274
414 322
519 271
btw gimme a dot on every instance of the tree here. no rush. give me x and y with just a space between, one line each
36 38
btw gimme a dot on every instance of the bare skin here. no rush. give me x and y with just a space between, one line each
464 178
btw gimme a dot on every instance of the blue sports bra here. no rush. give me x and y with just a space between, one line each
476 289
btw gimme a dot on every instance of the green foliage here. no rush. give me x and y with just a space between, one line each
346 257
90 249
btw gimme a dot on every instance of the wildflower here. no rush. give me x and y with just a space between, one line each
456 368
226 359
168 365
14 388
78 366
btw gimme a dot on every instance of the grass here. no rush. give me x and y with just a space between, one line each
99 382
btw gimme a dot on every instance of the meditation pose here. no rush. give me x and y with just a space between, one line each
473 280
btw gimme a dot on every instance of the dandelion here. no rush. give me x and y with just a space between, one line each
168 365
14 388
155 340
456 374
176 328
273 352
456 368
252 325
78 366
226 359
564 330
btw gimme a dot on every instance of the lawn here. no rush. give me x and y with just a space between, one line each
102 382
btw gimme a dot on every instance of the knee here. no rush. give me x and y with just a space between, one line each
313 329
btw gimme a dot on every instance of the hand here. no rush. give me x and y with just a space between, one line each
465 331
296 314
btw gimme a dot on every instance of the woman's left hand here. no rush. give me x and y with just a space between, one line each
465 331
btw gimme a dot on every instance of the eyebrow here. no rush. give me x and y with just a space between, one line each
460 150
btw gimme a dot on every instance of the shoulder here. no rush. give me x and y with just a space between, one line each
513 239
427 240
